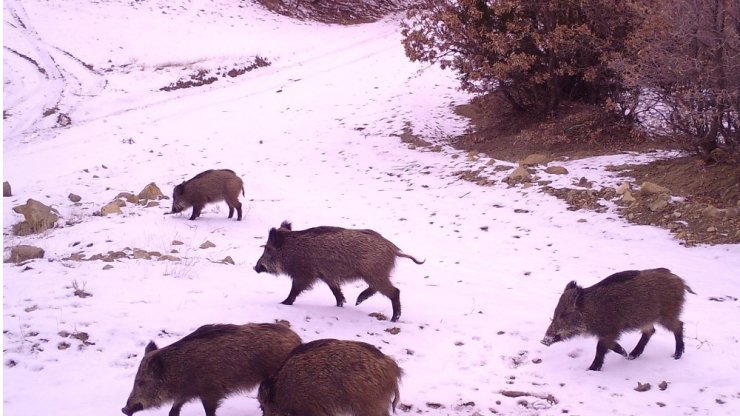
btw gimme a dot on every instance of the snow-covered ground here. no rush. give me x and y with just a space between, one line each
314 136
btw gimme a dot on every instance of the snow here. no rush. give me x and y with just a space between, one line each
315 138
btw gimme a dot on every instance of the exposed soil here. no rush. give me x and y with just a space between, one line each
705 208
346 12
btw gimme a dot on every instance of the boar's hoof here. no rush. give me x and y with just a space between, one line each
287 302
595 367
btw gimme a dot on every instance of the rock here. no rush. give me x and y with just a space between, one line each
658 205
712 211
534 159
6 189
151 191
228 260
141 254
585 182
177 243
111 208
556 170
107 267
120 202
151 204
624 187
627 197
649 188
21 253
472 156
169 258
129 197
39 217
207 244
520 174
74 198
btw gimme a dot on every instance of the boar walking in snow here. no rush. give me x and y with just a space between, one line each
330 377
209 364
207 187
625 301
333 255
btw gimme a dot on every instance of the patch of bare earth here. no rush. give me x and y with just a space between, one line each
705 208
345 12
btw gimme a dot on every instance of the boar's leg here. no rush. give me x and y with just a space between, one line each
395 296
647 332
231 210
210 404
364 295
337 291
602 347
175 411
677 328
299 285
196 211
238 211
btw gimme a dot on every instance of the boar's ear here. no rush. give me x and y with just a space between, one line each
578 301
571 285
276 238
286 225
151 346
156 366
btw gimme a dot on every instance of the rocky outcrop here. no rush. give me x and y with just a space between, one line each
21 253
38 218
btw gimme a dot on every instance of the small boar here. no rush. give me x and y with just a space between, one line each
624 301
206 187
209 364
333 255
330 377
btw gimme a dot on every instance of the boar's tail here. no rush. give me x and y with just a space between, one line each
688 289
396 397
408 256
243 189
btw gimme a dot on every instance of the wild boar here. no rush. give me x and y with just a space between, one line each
624 301
207 187
334 255
330 377
209 364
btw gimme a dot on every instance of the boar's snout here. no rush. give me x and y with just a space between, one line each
259 268
130 410
550 339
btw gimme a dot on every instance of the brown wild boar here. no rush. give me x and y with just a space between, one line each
624 301
212 185
333 255
209 364
330 377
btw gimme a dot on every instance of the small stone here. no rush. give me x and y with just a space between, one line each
582 220
177 243
657 206
107 267
129 197
21 253
74 198
168 257
642 387
534 159
663 385
712 229
649 188
228 260
520 174
6 189
151 191
556 170
111 208
585 183
393 331
624 187
151 204
627 197
207 244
